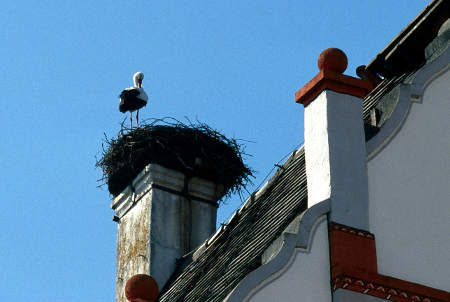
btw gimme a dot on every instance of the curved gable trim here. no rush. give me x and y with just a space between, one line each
409 93
303 239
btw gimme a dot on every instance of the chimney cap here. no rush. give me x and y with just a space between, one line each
332 63
332 59
141 287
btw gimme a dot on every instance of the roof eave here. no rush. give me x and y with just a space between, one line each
405 51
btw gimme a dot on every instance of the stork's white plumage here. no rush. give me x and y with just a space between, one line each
133 98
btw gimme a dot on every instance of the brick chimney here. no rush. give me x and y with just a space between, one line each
162 216
335 150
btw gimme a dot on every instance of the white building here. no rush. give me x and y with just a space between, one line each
361 212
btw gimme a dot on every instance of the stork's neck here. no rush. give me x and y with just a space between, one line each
137 83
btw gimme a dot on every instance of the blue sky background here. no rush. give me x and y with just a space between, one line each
232 64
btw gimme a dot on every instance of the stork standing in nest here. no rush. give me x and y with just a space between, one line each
133 98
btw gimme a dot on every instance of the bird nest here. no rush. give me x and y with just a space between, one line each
194 149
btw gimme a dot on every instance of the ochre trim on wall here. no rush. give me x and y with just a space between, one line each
354 267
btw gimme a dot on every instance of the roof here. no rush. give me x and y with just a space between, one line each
237 247
402 57
380 94
405 51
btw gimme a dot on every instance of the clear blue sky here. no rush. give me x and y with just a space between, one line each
232 64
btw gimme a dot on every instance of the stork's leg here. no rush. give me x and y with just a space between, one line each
131 120
137 118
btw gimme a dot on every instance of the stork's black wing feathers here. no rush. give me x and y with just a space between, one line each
129 100
129 93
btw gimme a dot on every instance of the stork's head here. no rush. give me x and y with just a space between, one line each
137 79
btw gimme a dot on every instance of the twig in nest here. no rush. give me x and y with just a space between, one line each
194 149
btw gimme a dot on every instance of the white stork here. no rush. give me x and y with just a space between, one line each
133 98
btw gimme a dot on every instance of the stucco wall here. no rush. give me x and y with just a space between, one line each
343 295
409 199
306 277
334 137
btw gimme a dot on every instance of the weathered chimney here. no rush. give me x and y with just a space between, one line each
163 215
335 151
167 180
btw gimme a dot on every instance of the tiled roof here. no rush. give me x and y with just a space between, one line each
237 248
404 55
406 50
376 96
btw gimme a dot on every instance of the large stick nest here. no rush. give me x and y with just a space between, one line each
194 149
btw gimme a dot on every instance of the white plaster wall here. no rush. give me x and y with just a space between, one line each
409 195
343 295
334 138
317 150
306 277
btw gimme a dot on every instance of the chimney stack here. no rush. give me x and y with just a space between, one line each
335 149
162 216
167 179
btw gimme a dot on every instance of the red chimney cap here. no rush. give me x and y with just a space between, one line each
332 63
140 288
332 59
